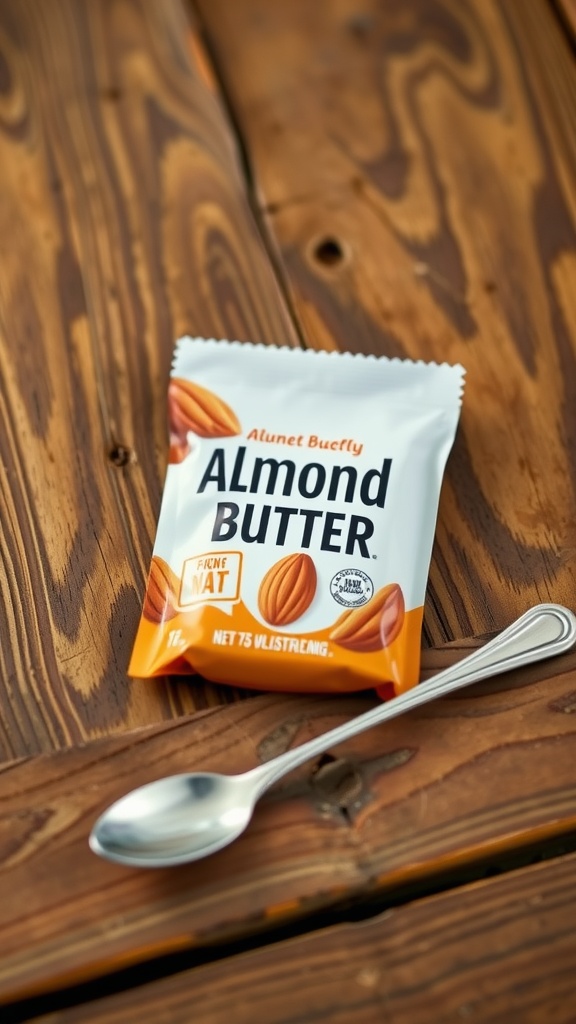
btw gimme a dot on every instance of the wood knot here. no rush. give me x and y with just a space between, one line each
337 782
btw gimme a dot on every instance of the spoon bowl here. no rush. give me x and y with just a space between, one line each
174 820
185 817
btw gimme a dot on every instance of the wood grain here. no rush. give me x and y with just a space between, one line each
474 776
568 10
496 951
123 222
415 166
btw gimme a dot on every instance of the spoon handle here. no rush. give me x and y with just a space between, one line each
543 631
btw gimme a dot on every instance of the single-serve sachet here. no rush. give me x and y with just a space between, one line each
298 517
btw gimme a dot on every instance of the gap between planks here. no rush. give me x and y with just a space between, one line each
99 1000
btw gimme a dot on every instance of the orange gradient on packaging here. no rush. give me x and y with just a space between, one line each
186 643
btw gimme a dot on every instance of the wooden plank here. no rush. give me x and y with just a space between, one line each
499 950
465 778
123 222
416 166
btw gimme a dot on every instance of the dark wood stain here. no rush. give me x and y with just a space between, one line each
443 140
566 704
109 262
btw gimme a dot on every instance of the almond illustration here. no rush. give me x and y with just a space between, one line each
161 598
287 589
373 626
392 617
192 407
179 448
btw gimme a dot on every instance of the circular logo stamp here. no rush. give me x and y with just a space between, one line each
351 587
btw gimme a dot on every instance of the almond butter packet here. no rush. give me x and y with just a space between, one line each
298 517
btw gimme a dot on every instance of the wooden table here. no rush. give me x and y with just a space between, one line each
365 175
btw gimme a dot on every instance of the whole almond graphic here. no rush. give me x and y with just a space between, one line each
374 625
287 589
192 407
161 598
392 617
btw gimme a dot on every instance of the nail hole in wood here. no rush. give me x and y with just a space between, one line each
329 252
120 455
323 760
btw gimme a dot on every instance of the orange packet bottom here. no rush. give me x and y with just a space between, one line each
265 659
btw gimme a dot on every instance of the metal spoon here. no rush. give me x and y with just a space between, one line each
185 817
